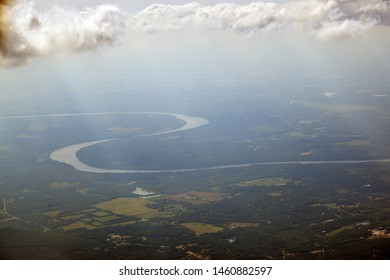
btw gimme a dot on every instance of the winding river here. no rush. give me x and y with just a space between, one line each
68 154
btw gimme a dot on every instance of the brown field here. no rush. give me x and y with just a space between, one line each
201 228
52 214
127 206
197 198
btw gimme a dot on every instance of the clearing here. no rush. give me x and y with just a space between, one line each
197 198
128 206
201 228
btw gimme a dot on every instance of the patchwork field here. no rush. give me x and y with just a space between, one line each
278 211
90 219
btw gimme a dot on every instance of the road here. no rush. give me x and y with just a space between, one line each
11 217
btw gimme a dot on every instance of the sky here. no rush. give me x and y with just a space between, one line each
92 41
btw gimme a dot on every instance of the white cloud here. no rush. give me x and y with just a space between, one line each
330 94
32 33
325 19
343 29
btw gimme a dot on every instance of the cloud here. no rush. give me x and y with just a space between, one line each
324 19
3 6
330 94
343 29
27 32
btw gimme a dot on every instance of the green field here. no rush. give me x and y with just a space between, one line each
77 225
277 211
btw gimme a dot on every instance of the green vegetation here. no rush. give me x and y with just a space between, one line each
61 185
265 182
106 218
201 228
72 217
100 213
330 205
77 225
342 191
234 225
340 230
324 211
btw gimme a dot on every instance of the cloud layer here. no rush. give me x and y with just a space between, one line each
26 32
324 19
31 33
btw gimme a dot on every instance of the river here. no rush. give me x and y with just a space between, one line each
68 154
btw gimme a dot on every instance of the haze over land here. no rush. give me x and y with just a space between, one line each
277 83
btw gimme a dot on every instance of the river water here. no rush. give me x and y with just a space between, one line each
68 154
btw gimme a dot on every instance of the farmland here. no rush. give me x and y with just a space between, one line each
293 211
137 207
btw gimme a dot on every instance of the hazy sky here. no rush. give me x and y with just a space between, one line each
83 40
